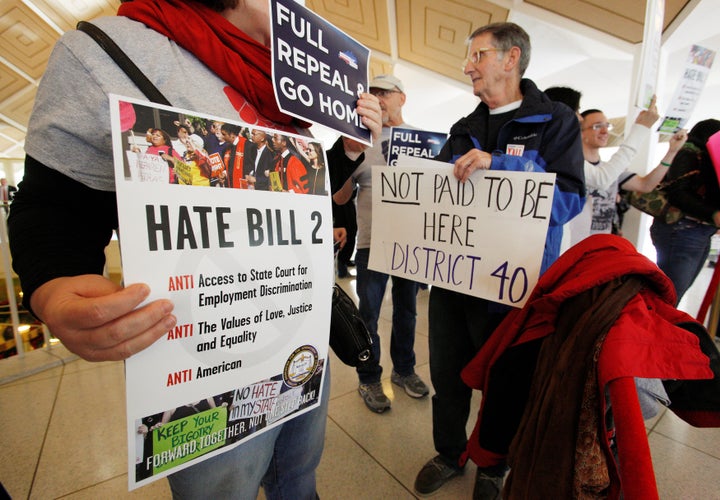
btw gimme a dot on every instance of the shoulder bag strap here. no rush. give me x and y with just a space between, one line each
124 62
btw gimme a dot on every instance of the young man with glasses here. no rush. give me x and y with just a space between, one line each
604 179
345 156
515 127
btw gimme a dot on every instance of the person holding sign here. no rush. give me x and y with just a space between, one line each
605 178
344 156
515 127
683 247
58 242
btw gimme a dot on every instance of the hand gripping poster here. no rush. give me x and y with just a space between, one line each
240 240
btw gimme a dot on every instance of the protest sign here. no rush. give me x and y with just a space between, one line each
249 272
484 237
689 88
318 71
650 53
412 142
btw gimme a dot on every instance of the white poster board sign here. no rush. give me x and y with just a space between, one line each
250 273
650 55
484 237
688 90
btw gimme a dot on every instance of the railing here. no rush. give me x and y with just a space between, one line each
23 334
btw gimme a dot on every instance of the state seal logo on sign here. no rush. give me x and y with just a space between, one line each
301 365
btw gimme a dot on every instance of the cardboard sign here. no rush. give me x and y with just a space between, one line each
484 237
713 146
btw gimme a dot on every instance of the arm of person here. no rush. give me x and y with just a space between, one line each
346 154
561 153
645 184
603 175
345 193
58 243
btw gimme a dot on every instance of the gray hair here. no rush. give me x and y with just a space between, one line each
507 36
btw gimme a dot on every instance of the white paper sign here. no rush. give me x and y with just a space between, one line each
689 88
650 54
250 273
484 237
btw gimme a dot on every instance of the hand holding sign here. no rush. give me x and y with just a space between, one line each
470 162
97 320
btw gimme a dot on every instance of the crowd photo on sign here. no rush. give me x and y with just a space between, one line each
195 151
516 339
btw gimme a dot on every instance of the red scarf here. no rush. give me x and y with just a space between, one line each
237 59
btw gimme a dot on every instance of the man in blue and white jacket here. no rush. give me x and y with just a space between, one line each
515 127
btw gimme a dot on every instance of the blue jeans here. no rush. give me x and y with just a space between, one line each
282 460
371 289
682 249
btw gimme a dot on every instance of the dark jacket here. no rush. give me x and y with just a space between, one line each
549 134
697 196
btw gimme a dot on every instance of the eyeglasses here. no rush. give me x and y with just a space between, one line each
601 125
383 93
477 55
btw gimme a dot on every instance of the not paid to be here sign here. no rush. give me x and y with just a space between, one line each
484 237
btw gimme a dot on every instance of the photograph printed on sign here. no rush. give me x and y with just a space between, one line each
177 148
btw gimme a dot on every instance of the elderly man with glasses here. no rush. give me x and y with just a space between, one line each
515 127
604 179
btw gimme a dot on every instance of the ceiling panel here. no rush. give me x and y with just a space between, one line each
434 32
10 82
67 13
365 20
623 19
25 39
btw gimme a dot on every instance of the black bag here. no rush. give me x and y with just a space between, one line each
349 337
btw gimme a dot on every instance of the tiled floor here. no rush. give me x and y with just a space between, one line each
63 434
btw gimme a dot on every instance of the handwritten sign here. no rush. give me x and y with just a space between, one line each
318 71
484 237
